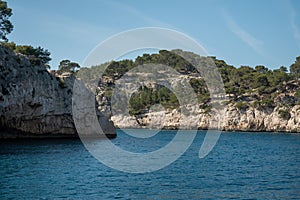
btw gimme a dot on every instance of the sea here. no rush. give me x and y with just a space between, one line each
242 165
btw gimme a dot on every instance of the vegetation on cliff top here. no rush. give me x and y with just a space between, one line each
36 55
245 86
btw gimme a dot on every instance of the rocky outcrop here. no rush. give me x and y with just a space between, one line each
34 102
246 117
250 119
253 119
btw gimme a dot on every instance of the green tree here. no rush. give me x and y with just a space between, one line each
6 26
283 69
9 45
261 69
37 56
260 80
277 77
68 66
295 68
43 55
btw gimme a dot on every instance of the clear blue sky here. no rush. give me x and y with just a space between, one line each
240 32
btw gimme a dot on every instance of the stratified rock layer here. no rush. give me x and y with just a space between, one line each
251 119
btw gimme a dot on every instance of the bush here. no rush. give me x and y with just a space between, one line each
37 56
265 103
241 105
108 92
266 90
297 94
284 114
146 97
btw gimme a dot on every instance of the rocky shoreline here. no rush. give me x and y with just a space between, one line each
35 103
250 120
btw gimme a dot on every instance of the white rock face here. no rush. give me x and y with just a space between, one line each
34 102
234 119
251 119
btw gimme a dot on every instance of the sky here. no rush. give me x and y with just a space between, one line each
240 32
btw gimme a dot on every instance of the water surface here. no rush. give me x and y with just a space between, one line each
241 166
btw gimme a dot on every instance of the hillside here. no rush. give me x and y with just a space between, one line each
36 103
257 99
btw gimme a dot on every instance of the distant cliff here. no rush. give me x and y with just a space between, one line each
251 119
258 99
239 116
37 103
34 102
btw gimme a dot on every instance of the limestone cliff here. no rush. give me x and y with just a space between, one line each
256 99
251 119
34 102
282 116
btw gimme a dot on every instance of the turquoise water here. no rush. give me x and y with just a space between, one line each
241 166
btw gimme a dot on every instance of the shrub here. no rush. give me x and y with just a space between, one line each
267 103
241 105
108 92
284 114
297 94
